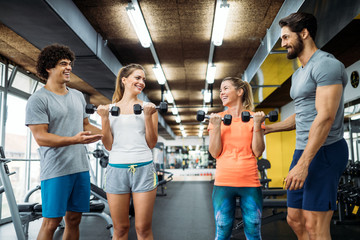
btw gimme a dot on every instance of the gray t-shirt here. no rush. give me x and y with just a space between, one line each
65 115
322 69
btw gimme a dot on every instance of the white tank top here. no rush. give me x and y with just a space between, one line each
129 145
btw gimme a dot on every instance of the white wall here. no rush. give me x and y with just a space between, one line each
179 141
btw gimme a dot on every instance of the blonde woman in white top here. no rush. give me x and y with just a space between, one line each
129 139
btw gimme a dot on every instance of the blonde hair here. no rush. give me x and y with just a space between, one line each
247 98
123 72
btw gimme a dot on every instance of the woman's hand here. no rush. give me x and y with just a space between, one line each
258 117
103 111
215 119
149 109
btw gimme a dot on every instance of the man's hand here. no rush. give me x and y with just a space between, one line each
86 137
296 177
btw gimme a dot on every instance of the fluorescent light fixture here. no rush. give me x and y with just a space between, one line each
184 133
174 111
137 20
159 74
356 117
205 109
221 14
207 96
178 119
169 97
210 73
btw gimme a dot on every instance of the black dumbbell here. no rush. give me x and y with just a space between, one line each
98 153
90 109
200 116
104 161
163 107
272 116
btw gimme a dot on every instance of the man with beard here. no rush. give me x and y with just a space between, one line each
321 152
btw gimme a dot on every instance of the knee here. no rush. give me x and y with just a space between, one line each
252 227
294 221
143 230
73 220
121 230
51 225
311 229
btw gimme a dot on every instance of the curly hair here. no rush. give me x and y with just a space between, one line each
50 56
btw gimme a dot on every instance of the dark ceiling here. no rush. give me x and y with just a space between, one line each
181 33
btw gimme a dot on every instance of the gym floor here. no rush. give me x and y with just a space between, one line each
184 214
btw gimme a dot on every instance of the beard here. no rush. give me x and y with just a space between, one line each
297 48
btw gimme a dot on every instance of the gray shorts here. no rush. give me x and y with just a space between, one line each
127 180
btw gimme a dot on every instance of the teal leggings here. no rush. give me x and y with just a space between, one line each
224 203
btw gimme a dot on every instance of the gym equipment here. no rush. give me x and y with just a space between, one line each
15 209
200 116
90 109
348 195
23 213
272 116
162 182
163 107
264 164
102 156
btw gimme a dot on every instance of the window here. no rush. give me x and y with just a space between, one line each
23 82
15 148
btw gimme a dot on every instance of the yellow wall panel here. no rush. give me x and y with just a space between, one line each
280 148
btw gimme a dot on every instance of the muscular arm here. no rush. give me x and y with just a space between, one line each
46 139
326 103
287 125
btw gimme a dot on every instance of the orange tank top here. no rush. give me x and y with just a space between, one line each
236 166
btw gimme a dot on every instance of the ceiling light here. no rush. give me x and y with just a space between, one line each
207 96
205 109
178 119
221 13
159 74
137 20
184 133
174 110
169 97
210 73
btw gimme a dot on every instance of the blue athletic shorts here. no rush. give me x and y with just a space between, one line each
320 188
66 193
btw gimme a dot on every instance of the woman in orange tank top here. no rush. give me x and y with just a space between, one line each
236 148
